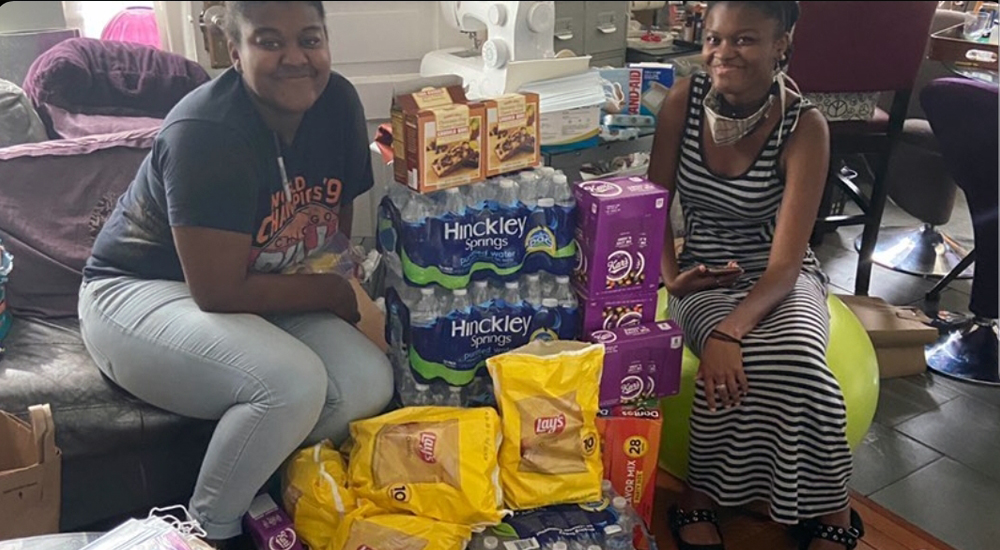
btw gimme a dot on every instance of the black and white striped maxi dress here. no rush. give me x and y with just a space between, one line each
786 442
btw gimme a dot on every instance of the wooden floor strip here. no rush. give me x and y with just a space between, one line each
745 530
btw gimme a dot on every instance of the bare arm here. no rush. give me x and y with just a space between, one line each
215 268
807 158
663 164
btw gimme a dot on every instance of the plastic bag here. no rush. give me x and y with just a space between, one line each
368 527
548 397
315 493
436 462
337 255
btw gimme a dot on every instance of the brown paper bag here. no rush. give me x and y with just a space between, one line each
30 475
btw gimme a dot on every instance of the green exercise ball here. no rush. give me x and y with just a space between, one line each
850 355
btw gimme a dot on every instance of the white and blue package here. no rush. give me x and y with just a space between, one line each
657 79
448 335
497 230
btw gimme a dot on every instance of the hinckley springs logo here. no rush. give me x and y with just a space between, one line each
498 330
489 233
426 444
550 425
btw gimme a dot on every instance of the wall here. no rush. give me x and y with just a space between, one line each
29 16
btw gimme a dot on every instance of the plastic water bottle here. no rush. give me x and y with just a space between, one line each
491 543
454 397
507 197
562 192
617 539
511 293
423 395
426 312
399 195
418 209
460 301
532 292
608 489
545 174
528 188
451 202
480 295
625 521
564 293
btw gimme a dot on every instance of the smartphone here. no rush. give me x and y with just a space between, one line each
724 270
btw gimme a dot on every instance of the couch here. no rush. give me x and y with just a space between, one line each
120 455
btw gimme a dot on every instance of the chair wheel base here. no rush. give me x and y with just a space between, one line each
968 354
922 251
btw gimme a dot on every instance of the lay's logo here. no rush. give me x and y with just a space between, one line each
427 444
550 424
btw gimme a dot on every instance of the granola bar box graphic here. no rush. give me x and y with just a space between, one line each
641 362
437 136
619 232
511 133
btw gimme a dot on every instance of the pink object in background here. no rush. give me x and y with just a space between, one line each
135 24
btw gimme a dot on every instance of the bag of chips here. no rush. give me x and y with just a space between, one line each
436 462
315 493
368 527
547 392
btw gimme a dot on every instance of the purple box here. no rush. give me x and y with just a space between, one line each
269 526
620 226
620 310
640 362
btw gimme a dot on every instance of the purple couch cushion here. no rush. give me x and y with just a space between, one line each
94 77
54 198
76 125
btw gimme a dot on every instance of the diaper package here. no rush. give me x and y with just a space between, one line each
369 528
315 493
436 462
548 398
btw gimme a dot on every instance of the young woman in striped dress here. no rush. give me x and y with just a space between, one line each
748 159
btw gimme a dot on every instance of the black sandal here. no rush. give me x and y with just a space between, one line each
680 518
806 531
847 536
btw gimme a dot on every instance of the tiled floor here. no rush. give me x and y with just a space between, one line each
933 453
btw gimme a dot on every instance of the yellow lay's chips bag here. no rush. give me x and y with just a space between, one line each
548 398
369 528
315 493
436 462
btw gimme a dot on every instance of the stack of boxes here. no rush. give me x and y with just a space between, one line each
620 229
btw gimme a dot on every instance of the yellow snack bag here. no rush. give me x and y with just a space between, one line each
315 493
436 462
369 528
548 398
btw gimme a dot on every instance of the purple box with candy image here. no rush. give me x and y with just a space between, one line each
621 310
620 225
640 362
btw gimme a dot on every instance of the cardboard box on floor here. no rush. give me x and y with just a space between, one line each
30 475
898 334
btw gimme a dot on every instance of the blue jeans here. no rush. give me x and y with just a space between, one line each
274 383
